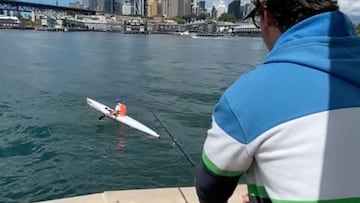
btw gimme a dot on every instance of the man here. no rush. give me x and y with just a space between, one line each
292 124
120 108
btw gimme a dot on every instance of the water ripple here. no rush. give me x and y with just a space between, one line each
51 143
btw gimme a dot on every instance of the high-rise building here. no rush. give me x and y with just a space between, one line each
152 8
202 5
164 8
86 4
132 3
140 7
213 12
246 9
145 7
221 9
173 8
75 5
100 5
159 8
194 7
109 6
234 8
90 4
188 7
126 8
170 8
117 7
181 7
184 7
106 6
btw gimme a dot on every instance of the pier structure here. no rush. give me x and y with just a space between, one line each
156 195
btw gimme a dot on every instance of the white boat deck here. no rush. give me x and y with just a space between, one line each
157 195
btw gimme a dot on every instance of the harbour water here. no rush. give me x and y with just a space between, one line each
51 143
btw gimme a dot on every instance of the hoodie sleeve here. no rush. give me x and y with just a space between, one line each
212 188
224 157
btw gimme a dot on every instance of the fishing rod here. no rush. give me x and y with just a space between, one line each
175 141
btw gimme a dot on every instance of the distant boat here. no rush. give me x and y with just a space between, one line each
186 33
9 21
210 36
214 37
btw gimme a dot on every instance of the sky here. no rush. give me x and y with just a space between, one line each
350 7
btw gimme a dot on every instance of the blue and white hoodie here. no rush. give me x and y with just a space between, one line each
292 125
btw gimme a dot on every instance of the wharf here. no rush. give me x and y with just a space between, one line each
156 195
137 32
209 35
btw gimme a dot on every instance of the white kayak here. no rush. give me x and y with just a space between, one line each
123 119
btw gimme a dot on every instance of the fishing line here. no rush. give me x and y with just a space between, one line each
175 141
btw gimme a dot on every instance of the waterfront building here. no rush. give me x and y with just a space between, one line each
245 29
168 27
224 27
60 23
204 27
135 26
48 21
67 22
99 23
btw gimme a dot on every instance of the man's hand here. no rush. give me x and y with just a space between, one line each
245 198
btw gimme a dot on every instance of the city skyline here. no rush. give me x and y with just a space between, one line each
350 7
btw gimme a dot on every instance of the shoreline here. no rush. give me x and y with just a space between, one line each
203 35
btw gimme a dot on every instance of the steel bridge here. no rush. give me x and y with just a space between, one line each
12 5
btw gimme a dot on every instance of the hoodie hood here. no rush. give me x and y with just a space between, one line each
326 42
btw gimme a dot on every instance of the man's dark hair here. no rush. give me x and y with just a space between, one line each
287 13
